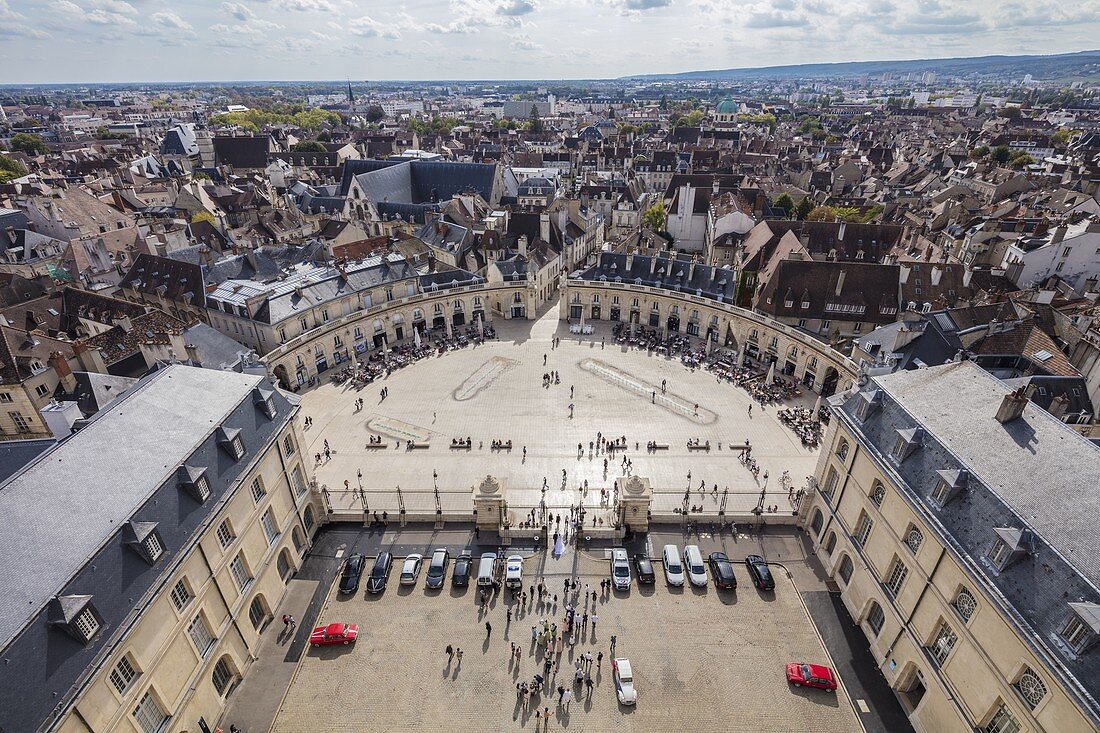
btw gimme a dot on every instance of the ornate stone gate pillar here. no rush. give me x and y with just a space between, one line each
635 496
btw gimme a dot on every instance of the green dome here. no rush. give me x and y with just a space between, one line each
726 106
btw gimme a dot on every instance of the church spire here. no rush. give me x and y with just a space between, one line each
351 97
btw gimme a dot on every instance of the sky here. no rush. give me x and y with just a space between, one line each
75 41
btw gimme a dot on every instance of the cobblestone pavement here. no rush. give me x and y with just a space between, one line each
704 660
495 391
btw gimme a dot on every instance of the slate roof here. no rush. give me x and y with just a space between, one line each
243 151
865 285
1033 472
662 271
166 277
419 182
120 467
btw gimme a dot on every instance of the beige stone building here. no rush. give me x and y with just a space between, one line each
958 520
135 603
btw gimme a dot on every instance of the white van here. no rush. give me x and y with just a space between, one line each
485 568
697 571
674 568
513 572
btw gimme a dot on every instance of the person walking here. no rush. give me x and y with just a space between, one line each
567 697
450 652
599 660
488 629
613 640
595 618
458 654
534 633
561 693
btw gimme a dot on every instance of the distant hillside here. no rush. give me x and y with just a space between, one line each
1066 64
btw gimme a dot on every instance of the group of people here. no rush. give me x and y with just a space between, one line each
805 424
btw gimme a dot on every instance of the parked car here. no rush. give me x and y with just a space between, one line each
722 570
674 567
437 568
624 681
620 569
696 570
643 566
760 573
461 574
811 675
353 570
334 634
486 569
411 569
513 572
380 573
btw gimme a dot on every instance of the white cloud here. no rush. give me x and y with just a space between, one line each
501 13
368 27
98 12
238 11
457 27
171 23
309 6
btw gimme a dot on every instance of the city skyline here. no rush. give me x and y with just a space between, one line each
301 40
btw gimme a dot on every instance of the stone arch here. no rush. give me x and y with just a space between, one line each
830 381
308 518
816 522
225 675
259 612
285 565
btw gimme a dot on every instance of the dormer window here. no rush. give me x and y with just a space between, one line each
76 616
1082 629
949 485
142 537
230 441
907 442
265 400
193 480
1010 545
868 402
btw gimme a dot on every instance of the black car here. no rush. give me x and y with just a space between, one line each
437 568
759 572
643 568
722 570
380 573
461 574
353 570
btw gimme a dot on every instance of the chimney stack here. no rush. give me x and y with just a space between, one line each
60 365
840 283
1012 406
1059 405
523 245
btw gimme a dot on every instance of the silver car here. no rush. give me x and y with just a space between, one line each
620 569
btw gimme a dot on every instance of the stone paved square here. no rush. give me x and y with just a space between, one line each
704 660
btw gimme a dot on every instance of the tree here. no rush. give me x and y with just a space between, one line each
535 124
980 152
804 207
1001 154
309 146
200 216
655 217
786 203
1020 159
200 176
10 169
28 143
1010 113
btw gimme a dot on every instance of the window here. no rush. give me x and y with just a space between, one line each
863 529
257 613
181 595
271 529
225 534
41 390
1031 688
222 676
941 493
241 576
876 617
842 449
299 482
21 423
998 553
86 624
913 539
825 325
899 448
1002 722
238 447
202 488
805 305
307 517
123 675
830 544
150 716
200 635
846 569
830 483
152 546
5 397
896 577
816 522
942 643
288 446
258 490
878 493
965 604
324 315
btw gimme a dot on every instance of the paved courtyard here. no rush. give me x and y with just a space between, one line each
704 660
495 392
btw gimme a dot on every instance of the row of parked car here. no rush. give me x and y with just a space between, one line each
489 571
691 564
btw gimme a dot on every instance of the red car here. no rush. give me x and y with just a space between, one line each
334 634
811 675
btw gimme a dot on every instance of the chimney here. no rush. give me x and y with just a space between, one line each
31 323
544 226
1012 406
840 232
1059 405
840 283
60 365
193 354
523 245
1059 234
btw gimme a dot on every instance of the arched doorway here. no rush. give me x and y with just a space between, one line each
308 519
828 385
285 565
299 540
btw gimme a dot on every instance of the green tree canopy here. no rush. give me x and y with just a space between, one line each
27 143
655 217
10 169
535 123
785 202
1001 153
805 206
309 146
